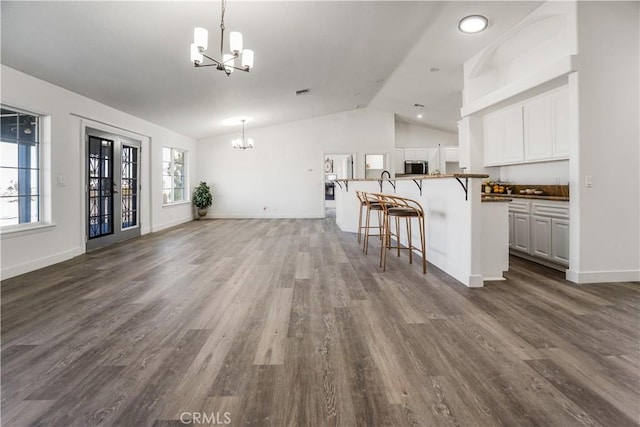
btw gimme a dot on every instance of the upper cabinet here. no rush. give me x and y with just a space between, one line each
503 137
532 131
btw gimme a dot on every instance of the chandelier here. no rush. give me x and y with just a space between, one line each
227 63
241 143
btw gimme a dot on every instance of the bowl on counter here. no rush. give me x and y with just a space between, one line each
529 191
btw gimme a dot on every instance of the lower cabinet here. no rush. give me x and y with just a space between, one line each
540 229
521 232
541 236
560 240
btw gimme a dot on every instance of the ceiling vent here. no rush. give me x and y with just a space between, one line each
302 92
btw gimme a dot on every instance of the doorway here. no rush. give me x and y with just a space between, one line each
112 188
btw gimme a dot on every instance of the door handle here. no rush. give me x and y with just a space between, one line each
115 188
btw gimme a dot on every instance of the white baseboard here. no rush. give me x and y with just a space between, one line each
36 264
264 216
584 277
160 227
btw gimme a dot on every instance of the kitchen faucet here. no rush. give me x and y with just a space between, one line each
382 175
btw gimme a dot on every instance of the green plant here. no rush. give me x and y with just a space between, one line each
202 197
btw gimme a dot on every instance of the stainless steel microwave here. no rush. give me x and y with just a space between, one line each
416 167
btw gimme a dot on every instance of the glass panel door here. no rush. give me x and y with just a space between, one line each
100 168
113 188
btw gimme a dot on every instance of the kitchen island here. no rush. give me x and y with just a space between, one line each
465 237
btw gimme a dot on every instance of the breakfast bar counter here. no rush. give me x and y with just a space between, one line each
466 238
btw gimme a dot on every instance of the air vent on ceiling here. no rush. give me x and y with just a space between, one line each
302 92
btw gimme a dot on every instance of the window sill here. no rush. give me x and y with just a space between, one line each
25 230
168 205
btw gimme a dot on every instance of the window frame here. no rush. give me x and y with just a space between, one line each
186 198
40 167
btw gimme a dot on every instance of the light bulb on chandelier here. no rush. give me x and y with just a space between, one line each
227 61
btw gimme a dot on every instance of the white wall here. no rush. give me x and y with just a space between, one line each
607 216
67 111
283 175
412 136
544 173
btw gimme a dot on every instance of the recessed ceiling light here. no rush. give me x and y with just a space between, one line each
419 116
473 24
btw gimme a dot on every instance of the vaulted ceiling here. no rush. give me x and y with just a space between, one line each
134 56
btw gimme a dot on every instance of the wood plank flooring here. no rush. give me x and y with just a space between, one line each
288 323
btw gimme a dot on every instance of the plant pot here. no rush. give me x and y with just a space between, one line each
202 213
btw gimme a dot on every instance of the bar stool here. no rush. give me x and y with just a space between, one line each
399 208
369 203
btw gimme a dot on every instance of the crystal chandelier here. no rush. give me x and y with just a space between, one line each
227 63
242 143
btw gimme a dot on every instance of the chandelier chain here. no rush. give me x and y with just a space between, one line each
224 4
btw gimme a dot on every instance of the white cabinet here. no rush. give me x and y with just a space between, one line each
538 129
398 161
503 137
521 231
531 131
560 108
560 240
451 154
540 228
416 154
511 230
541 236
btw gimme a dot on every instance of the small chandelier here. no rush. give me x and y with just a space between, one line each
241 143
227 63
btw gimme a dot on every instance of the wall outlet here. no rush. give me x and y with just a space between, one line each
264 208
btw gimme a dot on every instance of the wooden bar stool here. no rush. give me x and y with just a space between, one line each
398 208
369 203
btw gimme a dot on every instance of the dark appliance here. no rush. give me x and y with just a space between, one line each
416 167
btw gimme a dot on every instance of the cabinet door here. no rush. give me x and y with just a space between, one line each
421 154
541 236
521 232
560 240
513 142
560 110
398 160
511 230
493 130
451 154
538 129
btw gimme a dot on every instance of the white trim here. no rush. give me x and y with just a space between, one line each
171 224
25 230
33 265
584 277
265 216
183 202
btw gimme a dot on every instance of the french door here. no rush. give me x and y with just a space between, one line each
112 188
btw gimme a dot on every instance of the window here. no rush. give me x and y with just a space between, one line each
173 176
20 198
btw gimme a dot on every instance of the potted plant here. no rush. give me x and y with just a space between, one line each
202 198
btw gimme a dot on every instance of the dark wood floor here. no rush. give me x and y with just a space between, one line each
286 322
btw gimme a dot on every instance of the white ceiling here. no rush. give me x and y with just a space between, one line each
134 56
